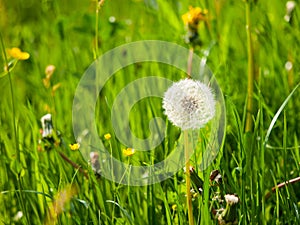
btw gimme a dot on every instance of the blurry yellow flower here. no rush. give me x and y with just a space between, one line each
61 199
107 136
174 207
128 151
193 16
46 82
74 147
18 54
55 87
47 108
49 70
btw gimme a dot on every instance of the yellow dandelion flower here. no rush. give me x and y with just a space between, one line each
74 147
128 151
194 16
18 54
107 136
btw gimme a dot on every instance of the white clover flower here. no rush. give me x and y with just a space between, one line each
189 104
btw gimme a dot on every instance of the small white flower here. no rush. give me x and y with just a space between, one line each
189 104
18 216
288 65
47 126
231 199
290 6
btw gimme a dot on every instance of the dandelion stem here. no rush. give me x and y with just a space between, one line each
249 108
188 178
190 62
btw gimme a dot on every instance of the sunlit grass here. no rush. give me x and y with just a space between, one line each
33 179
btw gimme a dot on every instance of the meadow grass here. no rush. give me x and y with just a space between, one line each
35 182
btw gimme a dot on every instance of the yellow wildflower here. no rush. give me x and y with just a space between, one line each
18 54
61 199
55 87
174 207
128 151
74 147
193 16
107 136
49 70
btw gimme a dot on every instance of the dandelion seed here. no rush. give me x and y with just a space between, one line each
16 53
74 147
128 151
189 104
107 136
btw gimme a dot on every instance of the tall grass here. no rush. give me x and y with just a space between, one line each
251 163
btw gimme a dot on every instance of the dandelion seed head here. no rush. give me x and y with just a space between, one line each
112 19
189 104
288 65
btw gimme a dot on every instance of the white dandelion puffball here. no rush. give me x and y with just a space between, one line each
189 104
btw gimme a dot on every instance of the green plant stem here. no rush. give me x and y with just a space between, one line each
76 166
186 151
96 31
99 3
12 96
281 185
188 178
249 108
